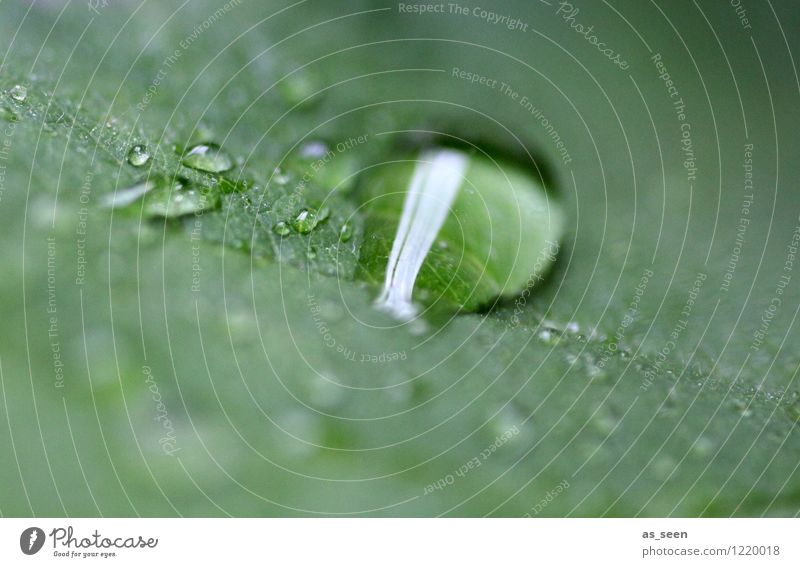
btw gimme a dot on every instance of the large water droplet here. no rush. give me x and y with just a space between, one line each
18 93
413 204
138 155
208 157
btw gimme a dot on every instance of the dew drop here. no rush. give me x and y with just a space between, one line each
281 228
305 221
346 232
138 155
549 335
18 93
207 157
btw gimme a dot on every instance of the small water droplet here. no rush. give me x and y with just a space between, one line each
18 93
281 228
138 155
549 335
305 221
208 157
572 328
346 232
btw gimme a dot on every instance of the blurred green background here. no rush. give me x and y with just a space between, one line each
638 412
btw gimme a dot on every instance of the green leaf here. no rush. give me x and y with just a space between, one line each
287 393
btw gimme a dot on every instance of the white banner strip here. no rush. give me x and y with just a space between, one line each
399 542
